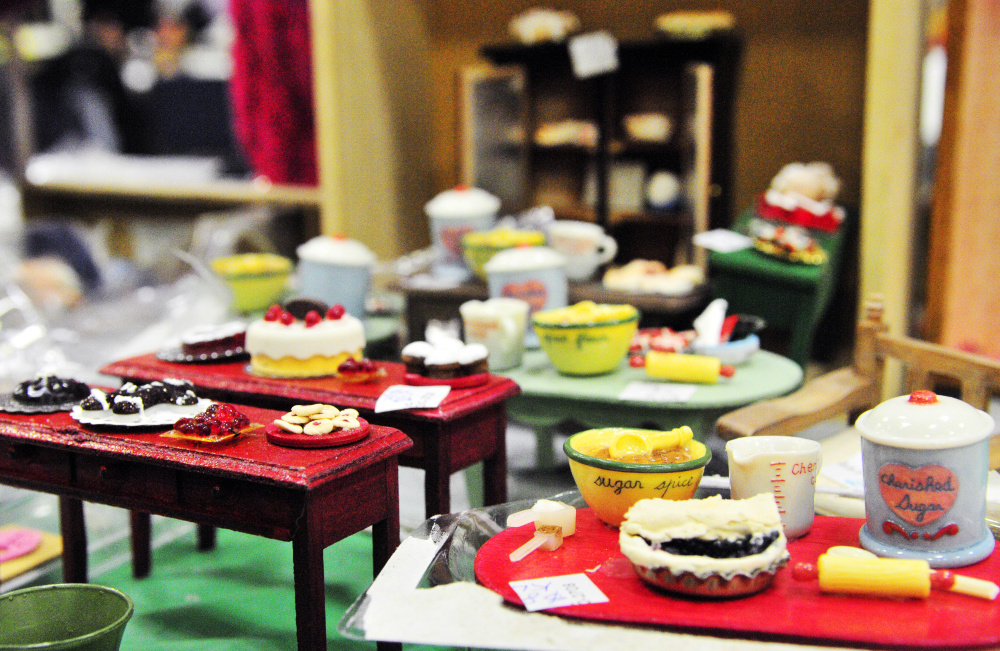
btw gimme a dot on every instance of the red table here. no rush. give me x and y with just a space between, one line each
469 426
311 497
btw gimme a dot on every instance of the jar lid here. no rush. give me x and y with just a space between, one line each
462 201
924 420
524 258
336 249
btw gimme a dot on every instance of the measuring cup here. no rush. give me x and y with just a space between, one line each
786 466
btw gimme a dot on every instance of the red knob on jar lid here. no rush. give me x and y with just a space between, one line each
923 397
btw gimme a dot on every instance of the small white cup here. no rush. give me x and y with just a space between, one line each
786 466
585 245
500 325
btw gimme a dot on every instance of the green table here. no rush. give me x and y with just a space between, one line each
549 398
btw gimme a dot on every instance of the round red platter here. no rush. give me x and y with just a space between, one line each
278 436
465 382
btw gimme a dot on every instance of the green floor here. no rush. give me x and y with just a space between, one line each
237 597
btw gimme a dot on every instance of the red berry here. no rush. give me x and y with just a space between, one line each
636 361
312 318
273 313
335 312
287 318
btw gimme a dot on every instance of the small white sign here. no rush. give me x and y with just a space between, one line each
657 392
558 591
404 396
723 240
593 54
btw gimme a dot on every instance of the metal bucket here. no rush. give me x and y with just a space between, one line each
78 616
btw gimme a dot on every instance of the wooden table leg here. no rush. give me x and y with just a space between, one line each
437 490
206 537
310 597
142 557
495 467
385 535
74 535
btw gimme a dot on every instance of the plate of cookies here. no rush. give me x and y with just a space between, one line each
317 426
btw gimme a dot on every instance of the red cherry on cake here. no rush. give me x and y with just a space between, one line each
312 318
336 312
287 318
273 313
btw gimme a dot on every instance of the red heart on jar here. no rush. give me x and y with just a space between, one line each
530 291
918 495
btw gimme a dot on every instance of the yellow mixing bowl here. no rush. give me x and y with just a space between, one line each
611 487
479 247
587 338
256 280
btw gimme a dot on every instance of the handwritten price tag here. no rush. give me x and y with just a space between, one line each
558 591
404 396
657 392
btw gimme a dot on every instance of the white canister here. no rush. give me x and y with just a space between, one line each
499 324
925 460
452 214
585 245
335 269
533 274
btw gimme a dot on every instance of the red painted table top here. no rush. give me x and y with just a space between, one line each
235 381
249 454
790 609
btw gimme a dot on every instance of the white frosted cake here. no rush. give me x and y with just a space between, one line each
285 345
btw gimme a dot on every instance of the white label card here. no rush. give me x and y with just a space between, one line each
593 54
557 591
657 392
404 396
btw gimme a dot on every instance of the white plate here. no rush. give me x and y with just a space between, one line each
161 414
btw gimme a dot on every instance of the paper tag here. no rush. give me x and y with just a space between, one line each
593 54
657 392
723 240
558 591
404 396
848 473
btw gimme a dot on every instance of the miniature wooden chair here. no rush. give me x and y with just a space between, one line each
852 390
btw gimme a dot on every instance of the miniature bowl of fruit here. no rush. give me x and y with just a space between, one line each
612 477
479 247
256 280
586 338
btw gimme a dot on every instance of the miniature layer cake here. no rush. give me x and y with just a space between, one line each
284 344
709 546
214 339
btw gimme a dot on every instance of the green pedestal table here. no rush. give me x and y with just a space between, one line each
549 398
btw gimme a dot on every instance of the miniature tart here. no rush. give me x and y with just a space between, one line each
318 419
703 546
445 358
133 399
217 423
50 390
360 370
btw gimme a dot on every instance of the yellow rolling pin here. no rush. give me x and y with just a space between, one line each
888 577
681 367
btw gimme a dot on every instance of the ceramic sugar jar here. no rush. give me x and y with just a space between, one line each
925 460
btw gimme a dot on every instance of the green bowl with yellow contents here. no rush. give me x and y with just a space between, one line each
480 246
611 484
586 338
256 280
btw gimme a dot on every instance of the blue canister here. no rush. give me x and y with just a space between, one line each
925 460
533 274
335 269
